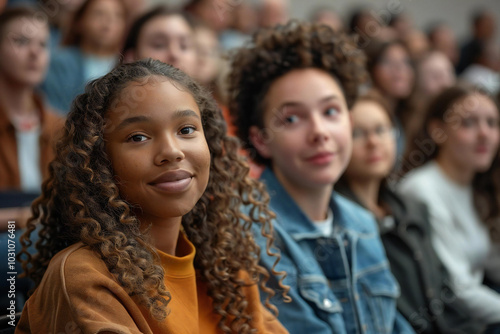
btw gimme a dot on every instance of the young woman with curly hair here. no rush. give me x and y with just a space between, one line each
454 164
141 230
289 93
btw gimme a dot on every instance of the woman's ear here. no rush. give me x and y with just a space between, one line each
260 141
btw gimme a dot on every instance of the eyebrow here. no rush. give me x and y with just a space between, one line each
132 120
138 119
185 113
299 104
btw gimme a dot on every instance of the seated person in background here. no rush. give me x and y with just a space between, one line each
165 35
484 71
89 50
141 222
456 176
426 299
434 72
289 93
27 127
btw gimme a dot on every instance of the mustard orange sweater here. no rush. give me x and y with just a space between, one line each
79 295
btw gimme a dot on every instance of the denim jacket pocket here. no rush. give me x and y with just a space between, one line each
317 292
380 291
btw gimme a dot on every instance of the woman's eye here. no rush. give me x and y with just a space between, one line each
137 138
187 130
331 111
291 119
467 122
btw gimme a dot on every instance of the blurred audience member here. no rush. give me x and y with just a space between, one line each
135 8
443 39
91 47
27 126
215 14
484 71
402 25
328 16
208 55
454 157
242 24
417 43
165 35
403 224
391 70
483 29
273 12
434 73
369 28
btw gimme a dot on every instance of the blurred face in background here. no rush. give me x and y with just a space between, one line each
374 142
443 39
103 24
471 134
435 73
393 74
24 52
169 39
207 46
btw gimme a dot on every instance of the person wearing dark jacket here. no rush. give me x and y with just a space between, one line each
426 300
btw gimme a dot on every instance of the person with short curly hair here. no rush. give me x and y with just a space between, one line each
141 228
290 93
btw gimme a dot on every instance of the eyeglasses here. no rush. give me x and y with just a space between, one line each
381 132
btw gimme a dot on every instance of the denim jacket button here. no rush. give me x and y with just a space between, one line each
327 303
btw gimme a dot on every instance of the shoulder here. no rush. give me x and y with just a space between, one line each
354 215
65 61
67 266
421 179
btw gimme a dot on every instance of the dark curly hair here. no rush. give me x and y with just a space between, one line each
277 51
80 201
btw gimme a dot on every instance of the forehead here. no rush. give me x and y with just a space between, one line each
367 113
155 96
25 26
303 86
115 5
166 25
475 105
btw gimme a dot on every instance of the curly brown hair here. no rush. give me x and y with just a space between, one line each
277 51
81 202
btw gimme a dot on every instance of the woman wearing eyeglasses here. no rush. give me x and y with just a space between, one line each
426 301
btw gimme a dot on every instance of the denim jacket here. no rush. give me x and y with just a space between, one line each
339 284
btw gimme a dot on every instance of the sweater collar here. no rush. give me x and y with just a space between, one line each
179 266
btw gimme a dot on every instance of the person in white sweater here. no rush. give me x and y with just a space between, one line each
456 156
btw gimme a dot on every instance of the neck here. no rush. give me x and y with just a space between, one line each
97 50
455 172
367 191
312 201
15 98
164 233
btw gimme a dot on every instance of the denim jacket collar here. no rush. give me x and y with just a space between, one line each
298 225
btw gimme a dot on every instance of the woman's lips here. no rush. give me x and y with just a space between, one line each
321 158
174 186
173 181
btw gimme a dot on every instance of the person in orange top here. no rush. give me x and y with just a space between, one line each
141 224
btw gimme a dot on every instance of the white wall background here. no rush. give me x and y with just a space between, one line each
423 12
